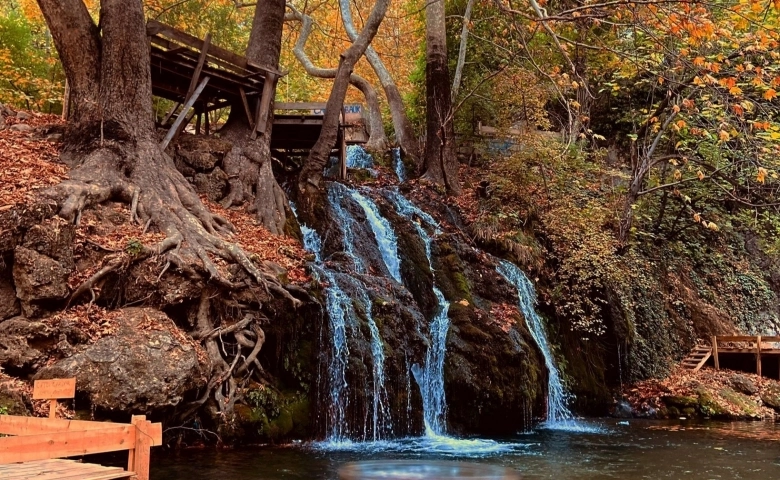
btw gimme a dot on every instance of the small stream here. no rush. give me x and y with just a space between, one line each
638 449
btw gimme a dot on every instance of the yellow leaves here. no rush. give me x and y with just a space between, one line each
711 226
676 109
699 61
677 174
463 302
700 174
688 104
724 136
660 80
681 124
761 175
696 217
770 94
698 81
738 109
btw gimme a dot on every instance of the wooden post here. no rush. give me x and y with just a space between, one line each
197 122
758 355
168 116
206 122
246 108
715 351
174 131
342 154
265 104
138 460
199 68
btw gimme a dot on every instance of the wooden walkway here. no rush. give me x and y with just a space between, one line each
741 347
61 469
34 446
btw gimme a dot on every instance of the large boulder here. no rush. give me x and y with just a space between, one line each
145 367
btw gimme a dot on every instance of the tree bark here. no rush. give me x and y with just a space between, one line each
441 164
311 176
377 140
249 163
404 133
464 37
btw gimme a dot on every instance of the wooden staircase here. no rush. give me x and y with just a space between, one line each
697 358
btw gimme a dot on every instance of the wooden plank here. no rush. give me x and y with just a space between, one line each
53 408
758 355
715 351
16 425
66 444
299 106
170 113
342 154
266 98
180 119
247 110
736 338
701 362
54 388
199 67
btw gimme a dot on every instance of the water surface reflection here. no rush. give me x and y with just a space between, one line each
641 449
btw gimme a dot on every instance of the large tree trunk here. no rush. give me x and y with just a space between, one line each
404 133
441 164
311 175
112 147
249 162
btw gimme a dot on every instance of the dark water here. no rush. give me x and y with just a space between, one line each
641 449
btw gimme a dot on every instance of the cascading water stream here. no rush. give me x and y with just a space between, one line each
430 377
341 310
398 165
383 233
558 413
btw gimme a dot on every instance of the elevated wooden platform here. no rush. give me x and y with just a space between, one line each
697 358
34 446
61 469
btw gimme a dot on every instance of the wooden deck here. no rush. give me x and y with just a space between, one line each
739 349
33 444
59 469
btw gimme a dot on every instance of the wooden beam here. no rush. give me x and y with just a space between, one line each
16 425
66 444
170 113
758 355
207 123
247 110
266 98
342 154
173 132
198 118
142 450
299 106
715 351
199 67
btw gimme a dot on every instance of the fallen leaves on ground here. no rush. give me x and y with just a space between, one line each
256 239
92 321
28 162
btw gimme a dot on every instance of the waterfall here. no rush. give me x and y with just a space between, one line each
383 233
357 157
430 377
339 306
341 312
398 165
312 242
337 194
557 396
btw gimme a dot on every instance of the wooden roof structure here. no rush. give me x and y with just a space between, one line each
195 73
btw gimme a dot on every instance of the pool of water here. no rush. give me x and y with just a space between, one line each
599 449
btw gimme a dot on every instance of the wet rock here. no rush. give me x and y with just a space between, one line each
39 281
23 115
622 409
771 396
23 344
679 401
20 127
2 122
743 384
213 184
143 368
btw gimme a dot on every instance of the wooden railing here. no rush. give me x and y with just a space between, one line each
34 438
754 343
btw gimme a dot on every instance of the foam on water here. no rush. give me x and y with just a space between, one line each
383 233
429 444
